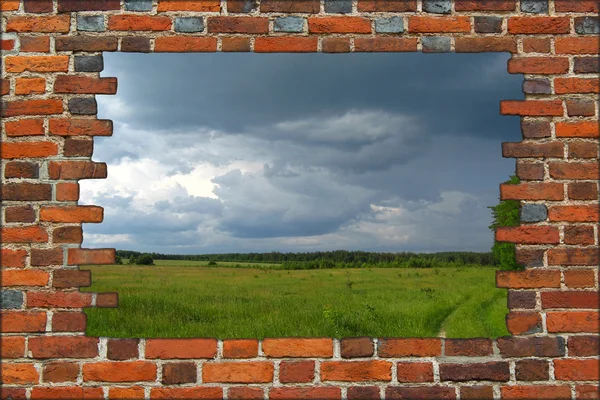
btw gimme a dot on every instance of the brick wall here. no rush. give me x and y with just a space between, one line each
51 59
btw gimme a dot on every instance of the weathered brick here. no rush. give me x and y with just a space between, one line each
26 191
335 45
527 171
69 322
582 278
521 322
573 321
457 24
119 371
245 393
288 24
488 24
285 6
19 374
468 347
242 6
11 299
415 372
357 347
46 257
521 299
528 279
38 6
25 277
538 65
385 44
177 373
63 346
135 44
489 371
582 191
78 148
389 25
476 392
90 256
90 23
235 44
47 299
437 6
31 107
55 23
296 371
238 24
583 129
532 191
573 256
29 234
292 347
19 214
60 371
71 214
186 5
538 25
529 258
65 170
584 346
130 392
532 108
528 150
138 23
576 45
122 349
12 347
387 5
586 65
532 370
532 346
435 44
535 129
21 169
575 85
89 63
363 393
86 43
576 370
536 45
36 44
483 44
571 299
240 348
26 86
420 392
185 44
339 25
580 107
65 278
356 371
189 24
85 85
537 86
409 347
199 392
88 5
23 322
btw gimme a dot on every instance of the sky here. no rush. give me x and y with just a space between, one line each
239 152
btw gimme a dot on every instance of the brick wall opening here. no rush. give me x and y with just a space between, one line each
553 353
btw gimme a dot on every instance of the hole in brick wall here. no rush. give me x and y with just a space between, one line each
241 153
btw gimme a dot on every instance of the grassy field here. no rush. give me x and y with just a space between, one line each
230 264
192 301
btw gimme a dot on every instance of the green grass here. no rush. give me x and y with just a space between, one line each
181 299
231 264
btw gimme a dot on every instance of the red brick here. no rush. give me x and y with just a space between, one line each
122 349
583 129
31 107
238 372
19 214
245 393
187 392
335 45
582 278
409 347
185 44
530 171
34 44
576 370
385 44
528 279
67 191
122 393
586 65
18 374
88 5
26 191
66 392
23 321
71 214
29 234
339 25
420 392
181 348
587 392
138 23
80 127
305 393
574 213
24 277
485 5
238 25
528 234
536 45
576 45
583 150
572 321
356 371
119 371
65 170
55 23
84 85
535 129
13 258
532 191
542 392
69 322
363 393
449 24
468 347
296 371
182 5
25 127
292 347
577 6
240 348
78 147
415 372
38 6
285 44
584 346
532 108
12 347
582 256
21 169
90 256
579 234
19 64
535 25
576 85
538 65
9 5
520 322
86 43
135 44
60 371
357 347
476 392
63 347
483 44
59 299
519 299
66 278
26 86
178 373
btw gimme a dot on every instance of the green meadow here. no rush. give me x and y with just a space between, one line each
242 300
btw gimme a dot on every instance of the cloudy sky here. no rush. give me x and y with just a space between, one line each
217 153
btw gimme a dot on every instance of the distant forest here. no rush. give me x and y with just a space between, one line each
335 259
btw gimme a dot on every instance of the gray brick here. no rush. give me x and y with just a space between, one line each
11 299
537 86
533 212
90 23
89 63
488 24
289 24
437 6
587 25
435 44
338 6
534 6
189 24
83 106
389 25
138 5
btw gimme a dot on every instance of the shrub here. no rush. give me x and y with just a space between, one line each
506 213
212 263
144 259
